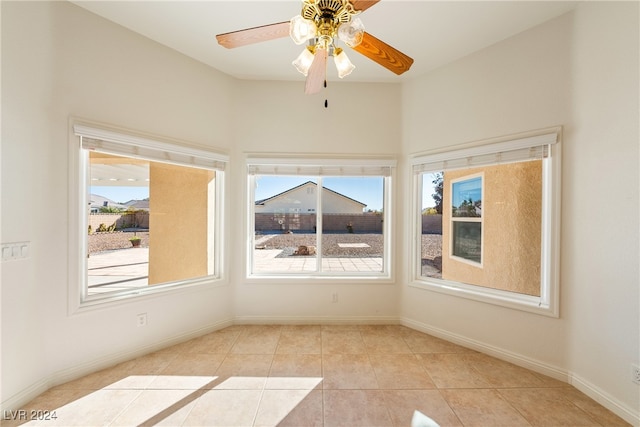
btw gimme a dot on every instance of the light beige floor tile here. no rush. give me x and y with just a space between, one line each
384 342
219 342
192 364
400 371
94 381
132 382
240 382
251 365
547 407
354 408
594 409
183 382
174 417
350 374
301 340
482 407
98 408
423 343
307 413
257 340
51 400
452 370
276 405
150 364
342 342
340 328
154 405
402 404
224 408
499 373
296 365
348 371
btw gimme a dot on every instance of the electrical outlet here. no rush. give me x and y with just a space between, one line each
635 374
142 319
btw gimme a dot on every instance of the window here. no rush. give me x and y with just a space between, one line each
487 221
319 217
466 219
149 215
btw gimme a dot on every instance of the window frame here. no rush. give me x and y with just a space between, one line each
547 303
78 299
479 219
324 165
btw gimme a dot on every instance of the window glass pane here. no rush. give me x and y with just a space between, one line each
467 240
352 224
285 224
290 236
467 198
431 217
150 223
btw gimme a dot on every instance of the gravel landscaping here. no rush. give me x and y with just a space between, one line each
100 242
288 243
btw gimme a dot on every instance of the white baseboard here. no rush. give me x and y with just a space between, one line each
60 377
579 383
502 354
317 320
605 399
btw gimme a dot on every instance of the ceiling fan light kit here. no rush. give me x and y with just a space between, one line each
320 24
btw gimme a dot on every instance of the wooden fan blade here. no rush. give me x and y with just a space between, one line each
383 54
317 73
253 35
362 5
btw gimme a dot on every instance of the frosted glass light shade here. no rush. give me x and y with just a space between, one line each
301 30
344 66
352 32
303 62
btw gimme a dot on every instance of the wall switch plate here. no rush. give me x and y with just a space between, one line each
15 250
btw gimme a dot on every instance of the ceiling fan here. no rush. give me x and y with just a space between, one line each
320 24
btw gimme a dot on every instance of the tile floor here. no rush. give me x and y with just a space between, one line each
325 375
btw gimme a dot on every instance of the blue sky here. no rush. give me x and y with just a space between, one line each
121 194
368 190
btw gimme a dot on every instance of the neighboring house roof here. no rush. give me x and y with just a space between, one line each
138 204
263 201
96 202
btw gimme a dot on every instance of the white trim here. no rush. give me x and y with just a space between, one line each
317 166
497 352
129 138
532 139
78 299
548 302
605 399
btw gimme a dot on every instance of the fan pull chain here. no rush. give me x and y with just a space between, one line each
326 101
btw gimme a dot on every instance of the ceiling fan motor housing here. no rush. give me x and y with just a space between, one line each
328 12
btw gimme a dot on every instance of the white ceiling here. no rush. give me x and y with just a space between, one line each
433 33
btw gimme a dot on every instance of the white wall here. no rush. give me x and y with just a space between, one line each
579 71
60 61
277 118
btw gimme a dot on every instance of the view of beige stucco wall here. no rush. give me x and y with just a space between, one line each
511 211
179 204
